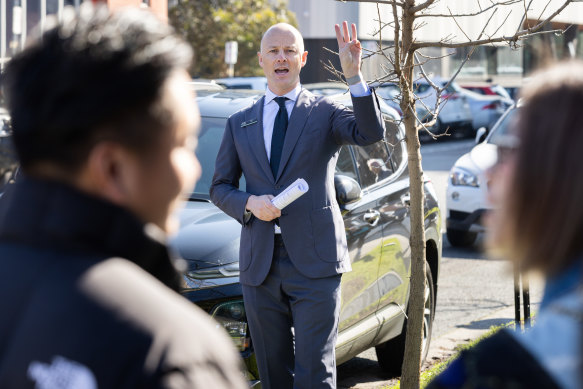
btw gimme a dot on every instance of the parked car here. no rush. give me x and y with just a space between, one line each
454 116
205 85
372 186
486 109
467 189
390 93
256 83
333 88
8 158
487 89
326 88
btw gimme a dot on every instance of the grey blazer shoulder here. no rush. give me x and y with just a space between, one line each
312 226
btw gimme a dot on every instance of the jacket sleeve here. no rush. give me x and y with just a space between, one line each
363 126
224 190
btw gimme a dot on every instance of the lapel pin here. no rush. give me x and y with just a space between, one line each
248 123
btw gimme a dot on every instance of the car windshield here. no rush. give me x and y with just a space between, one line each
209 140
503 128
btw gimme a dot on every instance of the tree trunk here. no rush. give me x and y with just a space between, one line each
413 344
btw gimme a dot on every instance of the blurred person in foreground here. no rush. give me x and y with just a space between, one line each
105 128
537 191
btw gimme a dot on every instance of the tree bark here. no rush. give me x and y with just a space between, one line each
413 343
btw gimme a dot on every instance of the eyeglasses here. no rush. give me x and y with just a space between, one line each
507 147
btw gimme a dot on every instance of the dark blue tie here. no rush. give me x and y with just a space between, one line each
279 128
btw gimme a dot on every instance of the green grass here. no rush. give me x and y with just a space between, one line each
429 374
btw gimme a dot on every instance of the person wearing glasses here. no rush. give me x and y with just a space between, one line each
537 222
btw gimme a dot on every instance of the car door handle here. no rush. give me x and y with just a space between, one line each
406 199
372 217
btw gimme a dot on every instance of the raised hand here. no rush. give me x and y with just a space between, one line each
349 50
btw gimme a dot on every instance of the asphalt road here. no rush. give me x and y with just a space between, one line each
472 289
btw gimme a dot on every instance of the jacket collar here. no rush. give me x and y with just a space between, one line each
55 216
302 108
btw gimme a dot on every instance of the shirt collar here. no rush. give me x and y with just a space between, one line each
292 95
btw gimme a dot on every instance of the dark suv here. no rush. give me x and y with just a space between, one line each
372 190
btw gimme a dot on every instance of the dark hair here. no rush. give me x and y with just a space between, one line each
97 75
545 213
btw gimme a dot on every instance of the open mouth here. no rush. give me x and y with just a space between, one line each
281 71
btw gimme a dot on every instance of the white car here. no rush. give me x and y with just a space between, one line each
454 114
467 188
486 109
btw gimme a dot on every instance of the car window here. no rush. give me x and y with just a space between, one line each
421 88
345 164
394 143
504 127
209 141
373 163
452 88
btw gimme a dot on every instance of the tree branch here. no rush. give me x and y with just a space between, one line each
531 31
397 29
422 6
390 2
494 5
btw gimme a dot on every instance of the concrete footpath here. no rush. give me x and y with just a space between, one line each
441 348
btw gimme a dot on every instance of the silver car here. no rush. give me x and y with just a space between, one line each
454 115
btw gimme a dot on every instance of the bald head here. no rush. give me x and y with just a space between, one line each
282 57
283 28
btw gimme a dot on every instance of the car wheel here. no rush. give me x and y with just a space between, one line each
459 238
391 353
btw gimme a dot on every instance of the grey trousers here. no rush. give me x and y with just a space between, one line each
288 299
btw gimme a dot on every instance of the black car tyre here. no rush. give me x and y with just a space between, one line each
459 238
390 354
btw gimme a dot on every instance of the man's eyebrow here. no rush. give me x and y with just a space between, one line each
294 46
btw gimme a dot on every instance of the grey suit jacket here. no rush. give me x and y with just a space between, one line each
312 226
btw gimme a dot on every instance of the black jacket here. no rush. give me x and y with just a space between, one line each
84 300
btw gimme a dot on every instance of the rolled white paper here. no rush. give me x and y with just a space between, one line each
290 194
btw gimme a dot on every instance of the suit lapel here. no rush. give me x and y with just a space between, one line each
295 126
255 135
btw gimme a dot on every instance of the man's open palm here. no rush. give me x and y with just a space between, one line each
349 50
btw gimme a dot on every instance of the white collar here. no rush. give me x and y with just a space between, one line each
292 95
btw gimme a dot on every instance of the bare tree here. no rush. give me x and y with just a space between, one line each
405 19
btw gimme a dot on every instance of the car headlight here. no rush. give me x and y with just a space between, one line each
229 270
231 316
462 177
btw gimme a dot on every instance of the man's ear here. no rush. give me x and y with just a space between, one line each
304 58
260 58
109 173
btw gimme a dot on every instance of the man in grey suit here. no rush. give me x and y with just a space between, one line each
291 260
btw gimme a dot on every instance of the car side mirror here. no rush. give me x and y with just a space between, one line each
481 134
347 189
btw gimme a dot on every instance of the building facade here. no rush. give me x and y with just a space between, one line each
499 63
21 19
